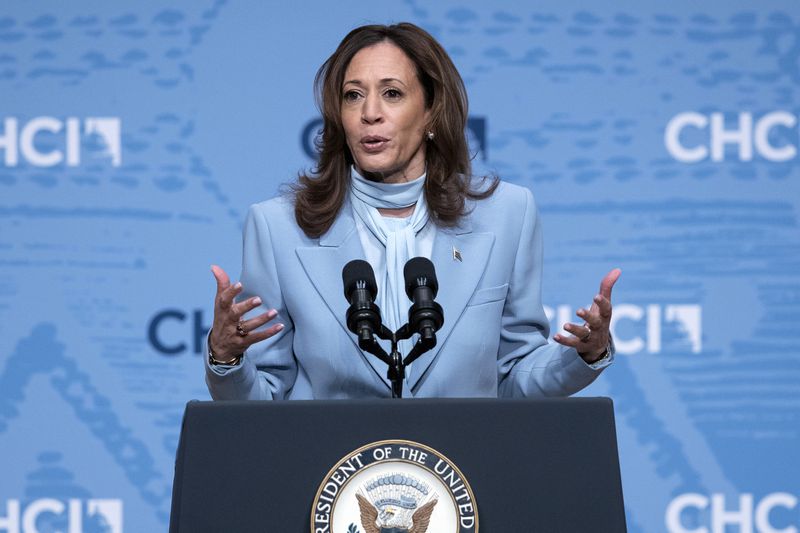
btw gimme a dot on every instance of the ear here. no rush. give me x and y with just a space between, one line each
428 117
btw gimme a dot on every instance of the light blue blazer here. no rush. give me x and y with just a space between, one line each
493 341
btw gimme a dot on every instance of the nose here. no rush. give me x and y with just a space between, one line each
371 110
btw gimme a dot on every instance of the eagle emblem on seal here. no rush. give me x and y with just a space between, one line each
395 503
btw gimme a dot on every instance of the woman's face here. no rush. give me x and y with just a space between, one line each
383 113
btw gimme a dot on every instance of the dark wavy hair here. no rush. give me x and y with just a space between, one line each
319 196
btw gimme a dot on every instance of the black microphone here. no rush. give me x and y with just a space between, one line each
360 289
425 316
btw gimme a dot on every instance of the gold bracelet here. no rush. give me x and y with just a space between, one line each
215 362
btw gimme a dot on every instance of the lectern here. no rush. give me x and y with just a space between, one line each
514 465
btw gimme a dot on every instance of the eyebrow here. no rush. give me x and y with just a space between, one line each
384 80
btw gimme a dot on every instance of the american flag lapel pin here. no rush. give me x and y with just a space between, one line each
457 255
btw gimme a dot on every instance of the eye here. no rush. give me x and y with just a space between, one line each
392 93
351 96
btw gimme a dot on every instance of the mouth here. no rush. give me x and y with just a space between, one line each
373 143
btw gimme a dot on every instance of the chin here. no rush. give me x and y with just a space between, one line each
375 167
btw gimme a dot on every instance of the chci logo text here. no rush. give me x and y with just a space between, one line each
49 141
67 516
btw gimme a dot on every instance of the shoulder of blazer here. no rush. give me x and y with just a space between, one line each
506 195
278 214
279 208
505 208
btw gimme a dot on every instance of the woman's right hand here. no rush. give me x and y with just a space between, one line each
230 334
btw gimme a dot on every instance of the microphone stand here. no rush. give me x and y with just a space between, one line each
397 365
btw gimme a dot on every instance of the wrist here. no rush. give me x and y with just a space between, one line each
594 357
215 359
233 361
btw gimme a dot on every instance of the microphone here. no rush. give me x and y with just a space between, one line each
425 316
360 289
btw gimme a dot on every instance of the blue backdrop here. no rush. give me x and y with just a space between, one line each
660 139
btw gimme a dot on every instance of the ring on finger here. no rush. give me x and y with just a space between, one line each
240 329
585 338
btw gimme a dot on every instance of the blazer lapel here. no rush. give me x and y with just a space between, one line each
458 279
323 265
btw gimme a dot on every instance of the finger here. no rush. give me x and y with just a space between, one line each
240 308
591 317
571 341
223 281
593 344
603 306
581 332
260 320
258 336
226 297
608 282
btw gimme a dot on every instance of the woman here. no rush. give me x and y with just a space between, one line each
394 182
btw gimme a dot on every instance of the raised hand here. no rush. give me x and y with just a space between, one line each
230 334
591 338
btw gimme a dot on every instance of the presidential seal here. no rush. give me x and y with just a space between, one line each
394 486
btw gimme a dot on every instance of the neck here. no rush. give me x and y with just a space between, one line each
396 176
402 212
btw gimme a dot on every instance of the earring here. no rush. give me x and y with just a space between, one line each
430 135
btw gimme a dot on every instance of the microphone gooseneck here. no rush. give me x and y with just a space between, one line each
425 316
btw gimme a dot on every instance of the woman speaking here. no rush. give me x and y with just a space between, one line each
394 182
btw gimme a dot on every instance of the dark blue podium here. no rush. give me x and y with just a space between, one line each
533 465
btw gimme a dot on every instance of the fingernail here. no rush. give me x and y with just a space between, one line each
598 298
280 327
272 313
238 285
257 300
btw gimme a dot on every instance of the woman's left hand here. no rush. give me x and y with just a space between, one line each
592 337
